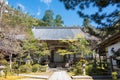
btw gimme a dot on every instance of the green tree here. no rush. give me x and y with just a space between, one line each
99 16
87 27
82 47
77 46
48 18
86 22
58 21
35 49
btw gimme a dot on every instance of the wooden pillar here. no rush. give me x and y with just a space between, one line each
95 65
65 58
100 60
69 56
52 56
74 59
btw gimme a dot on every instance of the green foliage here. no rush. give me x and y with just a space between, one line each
107 31
7 71
86 22
102 32
64 52
82 46
35 68
27 68
87 27
77 46
16 18
15 65
50 21
3 62
35 49
78 69
20 19
58 21
89 69
114 75
48 17
30 45
42 68
98 16
93 69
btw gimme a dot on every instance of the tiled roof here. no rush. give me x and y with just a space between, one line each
56 33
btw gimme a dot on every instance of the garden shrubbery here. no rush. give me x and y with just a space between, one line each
114 75
35 68
3 62
92 69
42 68
78 69
25 68
89 69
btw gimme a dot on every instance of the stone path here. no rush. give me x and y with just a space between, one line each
60 75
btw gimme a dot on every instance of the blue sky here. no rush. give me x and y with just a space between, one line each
38 7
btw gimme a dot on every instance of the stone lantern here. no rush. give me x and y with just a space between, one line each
28 59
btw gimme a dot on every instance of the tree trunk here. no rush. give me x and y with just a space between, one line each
38 60
1 11
10 62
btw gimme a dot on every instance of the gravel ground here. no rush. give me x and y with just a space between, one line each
31 79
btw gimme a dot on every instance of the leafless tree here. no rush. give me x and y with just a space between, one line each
2 8
9 43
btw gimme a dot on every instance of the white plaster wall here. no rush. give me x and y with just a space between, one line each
116 47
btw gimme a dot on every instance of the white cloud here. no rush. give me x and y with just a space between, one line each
39 12
22 7
46 1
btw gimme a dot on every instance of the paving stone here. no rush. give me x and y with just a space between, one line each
60 75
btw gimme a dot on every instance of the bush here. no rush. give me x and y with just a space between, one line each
15 65
89 69
25 68
7 71
42 68
114 75
36 68
3 62
78 69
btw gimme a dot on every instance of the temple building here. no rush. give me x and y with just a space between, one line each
53 36
109 50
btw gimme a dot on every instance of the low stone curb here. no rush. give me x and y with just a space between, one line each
34 76
93 77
